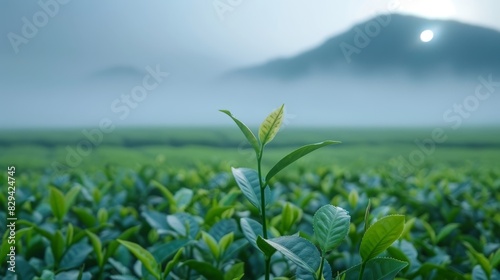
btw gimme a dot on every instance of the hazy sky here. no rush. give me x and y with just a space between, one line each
74 39
114 31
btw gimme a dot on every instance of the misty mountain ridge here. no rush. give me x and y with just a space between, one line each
391 44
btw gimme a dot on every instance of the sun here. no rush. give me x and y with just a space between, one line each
442 9
426 35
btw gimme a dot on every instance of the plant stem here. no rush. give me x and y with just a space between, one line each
263 209
100 274
362 271
268 267
262 196
320 272
190 254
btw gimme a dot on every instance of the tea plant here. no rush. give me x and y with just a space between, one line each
331 224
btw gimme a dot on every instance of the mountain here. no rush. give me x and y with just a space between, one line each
392 43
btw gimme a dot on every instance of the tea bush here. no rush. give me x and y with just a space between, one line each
208 222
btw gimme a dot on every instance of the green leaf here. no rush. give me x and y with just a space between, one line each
495 258
408 226
215 212
85 216
380 236
430 231
74 274
46 275
331 226
96 243
478 273
265 247
191 224
5 247
211 243
430 270
75 256
69 234
71 196
353 198
398 254
271 125
43 232
367 215
57 245
445 231
175 223
298 250
27 271
113 245
233 250
246 131
294 156
225 242
251 229
102 216
291 214
165 251
147 260
303 274
376 269
167 194
248 181
57 203
170 265
156 220
223 227
205 269
480 258
236 272
183 198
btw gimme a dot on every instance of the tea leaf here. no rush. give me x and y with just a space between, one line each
265 247
445 231
205 269
298 250
147 260
246 131
480 258
183 198
170 265
71 196
251 229
376 269
75 256
294 156
380 236
225 241
271 125
57 245
306 275
57 203
236 272
96 243
248 181
165 251
331 226
211 243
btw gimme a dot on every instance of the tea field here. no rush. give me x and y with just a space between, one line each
165 203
